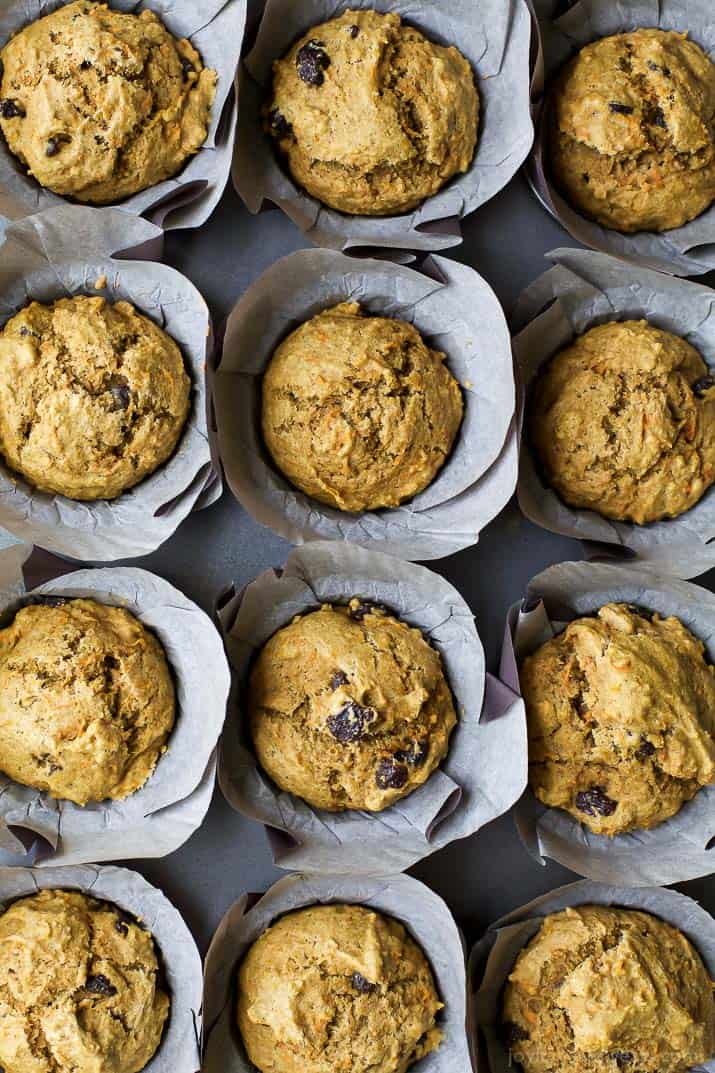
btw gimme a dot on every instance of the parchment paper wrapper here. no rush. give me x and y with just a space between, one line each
583 290
493 957
179 1051
64 252
425 916
170 806
675 851
215 28
682 251
458 313
494 35
484 772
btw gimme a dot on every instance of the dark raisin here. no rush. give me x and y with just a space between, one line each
361 984
339 679
353 30
595 801
703 384
390 775
658 118
625 65
620 109
311 61
85 65
10 109
415 753
645 749
121 927
99 985
351 722
119 390
278 124
365 607
586 177
187 66
55 143
512 1034
621 1058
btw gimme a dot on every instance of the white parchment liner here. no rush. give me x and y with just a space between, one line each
422 912
583 290
494 35
215 28
458 313
170 806
66 251
484 772
682 251
179 1051
675 851
493 957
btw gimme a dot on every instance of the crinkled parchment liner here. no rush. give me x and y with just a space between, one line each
422 912
484 772
494 35
215 28
459 314
676 850
493 957
65 251
683 251
583 290
170 806
179 1051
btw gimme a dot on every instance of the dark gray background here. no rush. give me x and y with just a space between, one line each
480 877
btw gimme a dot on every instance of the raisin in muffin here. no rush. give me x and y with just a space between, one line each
621 716
632 131
357 412
79 987
336 987
349 708
86 700
602 990
93 396
99 104
371 116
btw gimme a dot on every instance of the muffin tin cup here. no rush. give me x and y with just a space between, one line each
682 251
423 913
179 1050
680 848
582 290
68 251
156 819
484 772
494 35
215 28
493 957
458 313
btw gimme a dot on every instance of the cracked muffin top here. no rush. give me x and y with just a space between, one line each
337 987
632 131
371 116
623 423
79 987
100 104
620 712
93 396
357 412
603 990
86 700
349 708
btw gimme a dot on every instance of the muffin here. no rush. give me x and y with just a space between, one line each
620 711
357 412
79 987
632 131
86 700
99 104
623 423
336 987
349 708
601 990
370 116
93 396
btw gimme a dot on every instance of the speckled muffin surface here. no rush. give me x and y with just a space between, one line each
86 700
602 990
336 987
371 116
623 423
357 411
632 131
349 708
99 104
79 987
621 719
93 396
